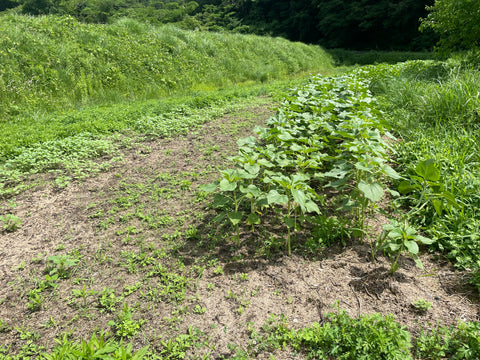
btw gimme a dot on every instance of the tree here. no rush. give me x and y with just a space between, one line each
457 22
372 24
7 4
38 7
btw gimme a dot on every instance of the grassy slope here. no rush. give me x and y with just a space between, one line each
56 62
60 79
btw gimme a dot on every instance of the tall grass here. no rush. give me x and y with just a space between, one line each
343 57
54 62
434 110
435 96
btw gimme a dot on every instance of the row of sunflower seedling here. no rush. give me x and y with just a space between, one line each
325 138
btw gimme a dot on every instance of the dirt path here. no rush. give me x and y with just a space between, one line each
119 226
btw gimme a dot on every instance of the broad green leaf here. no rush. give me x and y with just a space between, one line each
300 198
250 141
392 192
253 219
363 166
438 205
245 175
417 261
220 200
406 187
235 217
226 185
393 246
297 148
338 173
252 169
261 201
373 192
451 199
311 206
424 240
285 136
208 188
411 246
220 217
251 190
409 231
389 171
416 178
300 178
274 197
265 162
428 170
289 221
395 233
393 224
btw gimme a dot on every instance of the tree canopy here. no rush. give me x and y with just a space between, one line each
457 22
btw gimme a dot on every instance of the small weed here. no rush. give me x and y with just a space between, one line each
50 323
231 295
61 265
398 238
199 309
60 247
124 326
218 270
4 327
35 300
421 306
107 301
244 277
10 222
83 294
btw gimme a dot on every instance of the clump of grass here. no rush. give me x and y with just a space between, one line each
433 107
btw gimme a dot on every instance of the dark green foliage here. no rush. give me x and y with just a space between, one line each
7 4
457 22
356 24
350 57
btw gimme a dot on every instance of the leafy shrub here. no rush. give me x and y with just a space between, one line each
461 342
369 337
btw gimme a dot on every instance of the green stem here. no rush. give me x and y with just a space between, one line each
237 227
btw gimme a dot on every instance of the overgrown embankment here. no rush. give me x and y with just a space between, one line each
51 62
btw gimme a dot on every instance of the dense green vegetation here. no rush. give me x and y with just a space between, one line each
456 22
433 107
51 62
357 24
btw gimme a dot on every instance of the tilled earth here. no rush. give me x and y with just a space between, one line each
146 211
